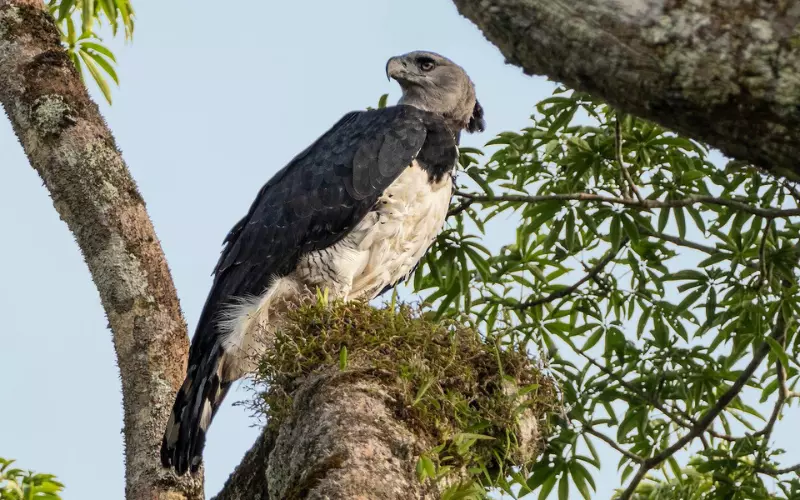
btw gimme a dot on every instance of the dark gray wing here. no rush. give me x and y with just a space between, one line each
314 201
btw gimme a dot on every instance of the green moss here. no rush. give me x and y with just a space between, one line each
450 385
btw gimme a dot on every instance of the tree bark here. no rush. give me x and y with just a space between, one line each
342 441
68 143
726 72
346 439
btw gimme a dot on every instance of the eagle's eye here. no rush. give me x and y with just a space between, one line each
426 63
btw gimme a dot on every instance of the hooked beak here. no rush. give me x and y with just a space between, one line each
397 68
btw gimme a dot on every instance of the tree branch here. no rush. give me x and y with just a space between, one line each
778 472
647 204
705 421
591 275
69 145
725 73
633 456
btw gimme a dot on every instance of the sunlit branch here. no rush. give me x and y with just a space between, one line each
644 204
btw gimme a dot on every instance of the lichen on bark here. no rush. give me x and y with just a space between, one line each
71 148
726 72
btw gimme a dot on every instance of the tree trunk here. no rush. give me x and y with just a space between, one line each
343 441
68 143
726 72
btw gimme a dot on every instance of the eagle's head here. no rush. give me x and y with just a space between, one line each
437 84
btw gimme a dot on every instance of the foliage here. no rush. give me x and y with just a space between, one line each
661 289
453 387
16 484
77 21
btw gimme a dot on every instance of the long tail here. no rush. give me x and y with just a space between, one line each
196 404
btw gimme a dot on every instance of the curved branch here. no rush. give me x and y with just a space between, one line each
726 73
771 213
706 420
71 148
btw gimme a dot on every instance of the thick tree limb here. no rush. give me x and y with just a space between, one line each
726 72
71 148
344 439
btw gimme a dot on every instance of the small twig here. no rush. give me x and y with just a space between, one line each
778 472
762 254
776 411
465 203
773 213
633 456
679 241
618 152
691 244
793 192
592 274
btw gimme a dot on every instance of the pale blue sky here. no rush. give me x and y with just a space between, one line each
215 98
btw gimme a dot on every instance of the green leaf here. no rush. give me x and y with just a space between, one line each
711 305
64 9
630 228
563 118
689 300
547 486
98 78
87 15
569 235
663 219
563 487
614 234
99 48
779 352
587 220
593 340
105 65
382 101
580 476
680 220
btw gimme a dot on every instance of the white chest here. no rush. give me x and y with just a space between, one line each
386 245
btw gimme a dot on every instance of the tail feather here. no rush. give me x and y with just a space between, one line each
195 405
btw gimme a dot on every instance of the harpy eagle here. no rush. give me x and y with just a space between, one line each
353 213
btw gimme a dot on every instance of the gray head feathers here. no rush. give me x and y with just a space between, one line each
435 83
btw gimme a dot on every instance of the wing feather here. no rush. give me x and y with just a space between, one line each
311 203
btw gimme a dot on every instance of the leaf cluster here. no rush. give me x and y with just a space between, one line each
646 308
18 484
78 22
